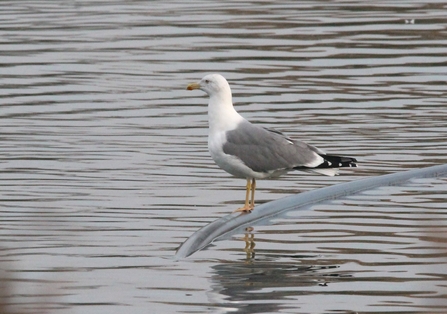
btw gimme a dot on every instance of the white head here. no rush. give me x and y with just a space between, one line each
215 85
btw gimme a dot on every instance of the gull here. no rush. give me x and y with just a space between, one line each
252 152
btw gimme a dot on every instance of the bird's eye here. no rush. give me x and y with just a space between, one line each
207 81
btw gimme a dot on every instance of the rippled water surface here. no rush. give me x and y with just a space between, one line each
104 169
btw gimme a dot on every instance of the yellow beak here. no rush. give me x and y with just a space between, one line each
193 86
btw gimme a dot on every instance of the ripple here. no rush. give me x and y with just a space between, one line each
105 169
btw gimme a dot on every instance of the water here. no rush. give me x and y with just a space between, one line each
105 171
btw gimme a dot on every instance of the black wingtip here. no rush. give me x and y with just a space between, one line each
333 161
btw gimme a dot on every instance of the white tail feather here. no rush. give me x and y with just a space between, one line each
326 171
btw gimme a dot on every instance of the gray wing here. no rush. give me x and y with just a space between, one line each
265 150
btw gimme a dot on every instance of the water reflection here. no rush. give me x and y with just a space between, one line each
260 288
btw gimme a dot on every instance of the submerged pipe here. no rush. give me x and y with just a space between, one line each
235 221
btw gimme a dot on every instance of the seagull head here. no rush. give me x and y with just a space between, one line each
213 85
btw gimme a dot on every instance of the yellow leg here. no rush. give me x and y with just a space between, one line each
253 188
249 205
247 194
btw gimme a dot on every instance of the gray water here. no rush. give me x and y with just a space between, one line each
104 169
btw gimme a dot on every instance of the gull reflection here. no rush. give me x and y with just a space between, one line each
261 286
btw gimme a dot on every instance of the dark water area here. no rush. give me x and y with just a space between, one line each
104 167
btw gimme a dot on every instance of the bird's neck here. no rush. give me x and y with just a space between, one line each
221 114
